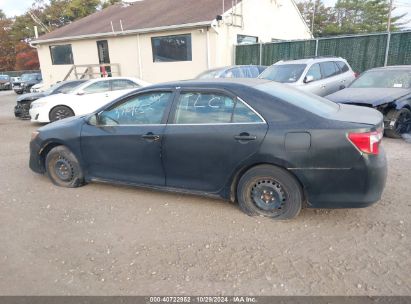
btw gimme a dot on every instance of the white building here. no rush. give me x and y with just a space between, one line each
163 40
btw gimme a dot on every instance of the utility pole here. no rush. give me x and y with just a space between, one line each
312 21
387 49
389 16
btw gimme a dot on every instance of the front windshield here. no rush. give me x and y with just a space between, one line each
285 73
384 79
209 74
28 77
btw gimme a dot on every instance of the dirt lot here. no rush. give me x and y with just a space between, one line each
110 240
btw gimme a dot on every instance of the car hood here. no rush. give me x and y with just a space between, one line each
368 96
53 98
31 96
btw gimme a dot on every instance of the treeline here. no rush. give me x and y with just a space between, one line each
16 32
350 17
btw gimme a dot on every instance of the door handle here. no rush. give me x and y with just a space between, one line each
244 137
150 137
323 86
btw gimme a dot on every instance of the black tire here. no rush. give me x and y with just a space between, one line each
270 191
63 168
402 122
60 112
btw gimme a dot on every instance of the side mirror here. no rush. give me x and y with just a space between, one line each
80 93
308 78
93 120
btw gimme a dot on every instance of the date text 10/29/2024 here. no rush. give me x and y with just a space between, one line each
202 299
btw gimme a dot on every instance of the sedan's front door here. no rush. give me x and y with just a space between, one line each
125 142
209 136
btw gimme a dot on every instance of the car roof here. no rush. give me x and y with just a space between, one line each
221 83
309 60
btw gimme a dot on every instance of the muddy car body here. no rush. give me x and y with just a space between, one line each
266 145
387 90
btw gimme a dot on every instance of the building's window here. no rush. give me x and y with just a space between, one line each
61 54
171 48
243 39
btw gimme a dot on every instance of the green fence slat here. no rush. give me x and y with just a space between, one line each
247 54
400 49
273 52
362 51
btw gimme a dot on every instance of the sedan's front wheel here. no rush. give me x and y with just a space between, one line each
60 112
269 191
63 168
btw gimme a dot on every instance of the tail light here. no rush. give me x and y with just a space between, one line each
367 142
356 74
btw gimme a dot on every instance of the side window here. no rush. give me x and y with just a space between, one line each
148 108
234 73
315 71
243 114
203 108
328 69
343 66
123 84
67 87
97 87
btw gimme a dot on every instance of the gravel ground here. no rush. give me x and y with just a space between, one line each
110 240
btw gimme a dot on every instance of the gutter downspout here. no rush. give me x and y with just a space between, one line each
208 47
214 26
140 68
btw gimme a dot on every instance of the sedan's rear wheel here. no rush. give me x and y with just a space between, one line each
269 191
63 168
400 121
60 112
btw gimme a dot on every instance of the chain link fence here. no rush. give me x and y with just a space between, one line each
361 51
18 73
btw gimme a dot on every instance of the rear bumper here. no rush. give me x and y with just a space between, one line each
357 187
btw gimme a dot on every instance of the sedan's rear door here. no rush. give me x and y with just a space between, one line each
209 134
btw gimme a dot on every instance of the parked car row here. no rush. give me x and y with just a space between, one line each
5 82
388 89
26 81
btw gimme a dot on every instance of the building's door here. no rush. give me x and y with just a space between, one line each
104 57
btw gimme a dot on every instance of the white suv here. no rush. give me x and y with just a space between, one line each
320 75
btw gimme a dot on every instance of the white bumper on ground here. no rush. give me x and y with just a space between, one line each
39 115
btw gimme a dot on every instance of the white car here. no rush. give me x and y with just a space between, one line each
37 88
83 99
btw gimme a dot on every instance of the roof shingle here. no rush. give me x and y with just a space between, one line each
145 14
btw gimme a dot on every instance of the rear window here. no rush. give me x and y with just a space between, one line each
329 69
306 101
343 66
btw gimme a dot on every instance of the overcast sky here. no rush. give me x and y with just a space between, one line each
17 7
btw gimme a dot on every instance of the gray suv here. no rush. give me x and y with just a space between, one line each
320 75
